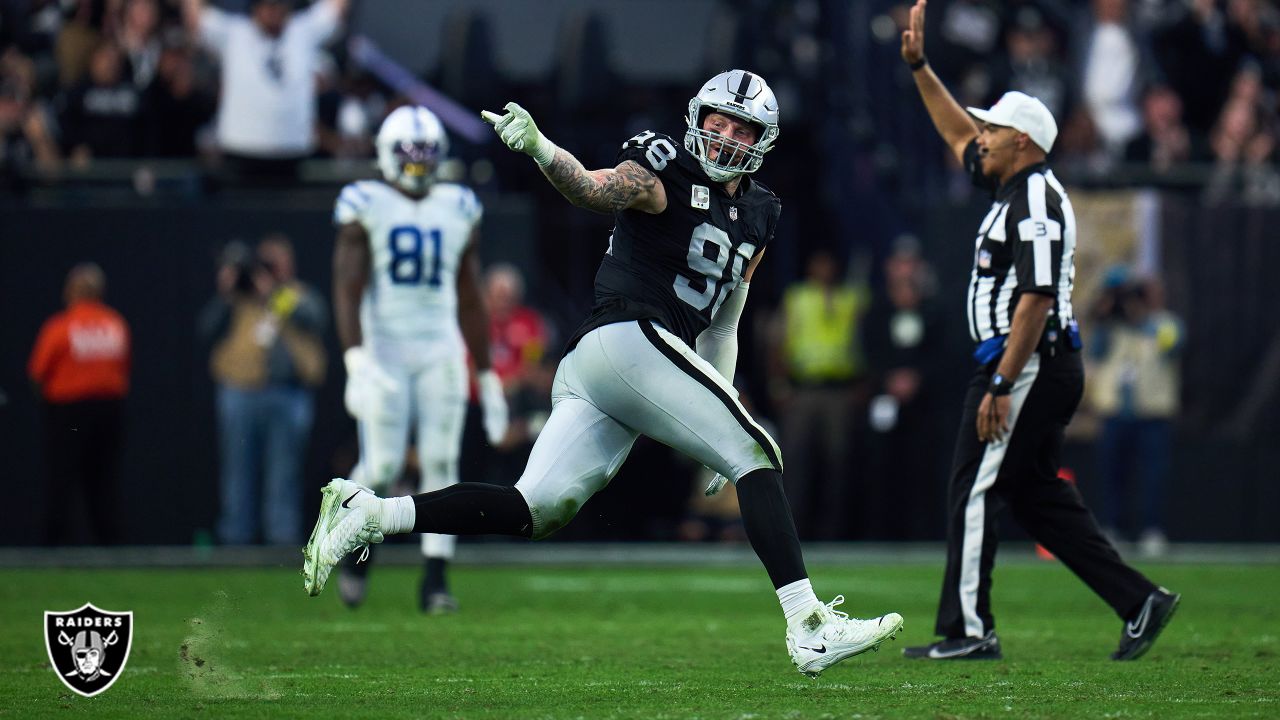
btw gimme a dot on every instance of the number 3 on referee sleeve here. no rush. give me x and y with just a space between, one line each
1040 232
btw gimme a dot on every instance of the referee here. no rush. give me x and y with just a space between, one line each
1028 380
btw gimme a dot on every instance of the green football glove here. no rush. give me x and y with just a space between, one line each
520 133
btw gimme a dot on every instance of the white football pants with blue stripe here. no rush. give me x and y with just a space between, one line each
433 398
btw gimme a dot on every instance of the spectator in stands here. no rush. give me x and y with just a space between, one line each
821 360
1111 76
904 333
26 139
80 364
266 328
266 118
518 335
1035 66
968 33
1258 24
1134 386
519 340
1244 148
349 114
139 38
176 106
31 26
85 25
1165 142
102 117
1199 55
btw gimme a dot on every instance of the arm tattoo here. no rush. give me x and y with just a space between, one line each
604 191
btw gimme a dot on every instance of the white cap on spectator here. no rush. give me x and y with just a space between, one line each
1024 114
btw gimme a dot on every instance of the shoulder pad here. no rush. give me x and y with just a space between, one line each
461 198
757 186
353 202
656 151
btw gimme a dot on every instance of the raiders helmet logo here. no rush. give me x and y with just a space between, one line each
733 212
88 647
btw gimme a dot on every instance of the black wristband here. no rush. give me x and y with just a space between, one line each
918 64
1000 385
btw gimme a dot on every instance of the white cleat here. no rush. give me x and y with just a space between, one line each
828 636
348 521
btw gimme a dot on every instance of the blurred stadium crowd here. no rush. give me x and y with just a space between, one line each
853 350
1145 85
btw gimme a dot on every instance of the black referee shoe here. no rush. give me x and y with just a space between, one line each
1140 633
986 647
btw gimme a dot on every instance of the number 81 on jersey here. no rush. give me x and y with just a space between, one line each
408 245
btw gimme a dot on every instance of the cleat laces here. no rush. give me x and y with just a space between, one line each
842 627
349 537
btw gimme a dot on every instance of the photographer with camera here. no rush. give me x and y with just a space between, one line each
266 329
1134 386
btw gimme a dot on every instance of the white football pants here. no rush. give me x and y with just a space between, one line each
621 381
434 395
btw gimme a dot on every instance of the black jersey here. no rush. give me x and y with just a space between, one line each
678 266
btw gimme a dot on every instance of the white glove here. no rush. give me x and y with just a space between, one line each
367 383
520 133
493 401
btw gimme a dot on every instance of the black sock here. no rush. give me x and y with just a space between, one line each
473 509
766 515
433 581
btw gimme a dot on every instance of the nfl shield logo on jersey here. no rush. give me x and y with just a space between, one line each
88 647
733 212
701 197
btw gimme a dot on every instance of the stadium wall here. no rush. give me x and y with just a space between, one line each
159 260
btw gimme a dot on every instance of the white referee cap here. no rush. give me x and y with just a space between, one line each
1024 114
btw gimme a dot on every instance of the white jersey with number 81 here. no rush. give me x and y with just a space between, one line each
410 304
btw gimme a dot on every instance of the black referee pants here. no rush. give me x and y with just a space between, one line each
82 451
1022 472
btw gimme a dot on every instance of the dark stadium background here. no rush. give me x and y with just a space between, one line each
857 165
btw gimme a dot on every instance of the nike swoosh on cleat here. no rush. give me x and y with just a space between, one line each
937 654
1138 625
820 650
348 500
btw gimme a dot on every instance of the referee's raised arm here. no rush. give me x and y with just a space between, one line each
953 123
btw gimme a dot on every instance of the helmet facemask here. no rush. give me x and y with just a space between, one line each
417 161
411 145
724 158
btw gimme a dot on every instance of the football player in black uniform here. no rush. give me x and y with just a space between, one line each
655 356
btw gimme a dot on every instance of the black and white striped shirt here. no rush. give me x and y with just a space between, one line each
1026 244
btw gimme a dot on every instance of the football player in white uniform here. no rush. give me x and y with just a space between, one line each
408 308
655 356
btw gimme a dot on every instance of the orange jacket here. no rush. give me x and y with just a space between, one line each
82 353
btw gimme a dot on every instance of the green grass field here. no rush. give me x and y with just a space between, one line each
660 642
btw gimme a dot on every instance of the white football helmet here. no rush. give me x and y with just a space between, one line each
743 95
411 143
